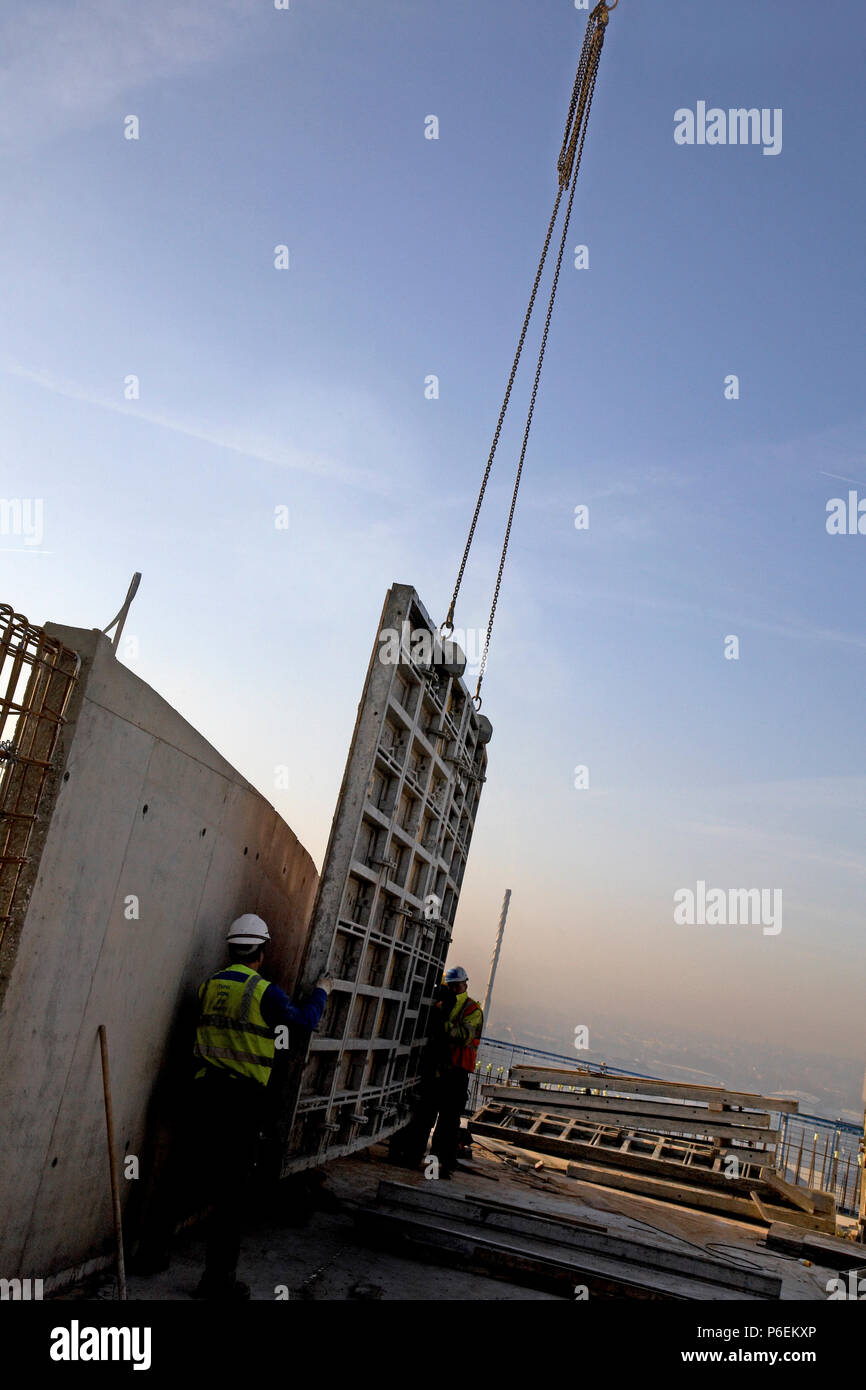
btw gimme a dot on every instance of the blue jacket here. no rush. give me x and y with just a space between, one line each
277 1008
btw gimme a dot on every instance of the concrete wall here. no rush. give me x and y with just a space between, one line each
145 807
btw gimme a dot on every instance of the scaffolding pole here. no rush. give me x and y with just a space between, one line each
495 959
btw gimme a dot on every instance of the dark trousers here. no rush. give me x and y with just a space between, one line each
229 1113
441 1102
453 1090
409 1144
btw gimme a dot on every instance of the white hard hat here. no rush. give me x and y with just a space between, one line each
456 975
248 930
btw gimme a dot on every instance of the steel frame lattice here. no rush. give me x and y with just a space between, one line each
37 675
389 890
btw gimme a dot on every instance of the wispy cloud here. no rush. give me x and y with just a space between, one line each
840 478
64 65
320 465
778 843
729 621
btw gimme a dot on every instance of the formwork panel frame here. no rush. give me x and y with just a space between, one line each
388 892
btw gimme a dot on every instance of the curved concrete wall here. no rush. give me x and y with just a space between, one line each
144 808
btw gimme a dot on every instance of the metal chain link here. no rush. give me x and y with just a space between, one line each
563 182
449 621
572 168
568 165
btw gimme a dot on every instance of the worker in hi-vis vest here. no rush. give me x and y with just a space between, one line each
454 1032
234 1046
461 1025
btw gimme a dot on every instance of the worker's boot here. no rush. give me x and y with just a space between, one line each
444 1168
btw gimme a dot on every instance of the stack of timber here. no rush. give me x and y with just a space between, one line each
701 1146
543 1249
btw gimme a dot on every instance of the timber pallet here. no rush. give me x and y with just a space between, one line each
670 1116
630 1148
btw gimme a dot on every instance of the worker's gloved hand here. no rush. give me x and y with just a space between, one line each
325 982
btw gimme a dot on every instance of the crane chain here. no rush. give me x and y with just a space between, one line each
449 621
593 72
568 166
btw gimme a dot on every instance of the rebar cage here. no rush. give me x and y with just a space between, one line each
37 675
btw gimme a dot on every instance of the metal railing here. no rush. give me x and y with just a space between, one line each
37 674
815 1152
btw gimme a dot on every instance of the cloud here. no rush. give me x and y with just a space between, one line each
797 631
320 465
840 479
64 65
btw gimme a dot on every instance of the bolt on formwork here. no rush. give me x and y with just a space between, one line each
37 675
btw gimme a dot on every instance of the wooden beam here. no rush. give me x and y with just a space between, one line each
688 1195
645 1114
826 1250
807 1198
644 1086
566 1238
438 1243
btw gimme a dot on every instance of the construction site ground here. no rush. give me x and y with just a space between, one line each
328 1258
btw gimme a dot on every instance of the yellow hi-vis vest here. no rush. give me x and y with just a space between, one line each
231 1033
463 1031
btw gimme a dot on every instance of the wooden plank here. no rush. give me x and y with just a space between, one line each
688 1195
786 1238
762 1210
805 1197
825 1250
678 1119
639 1085
568 1100
511 1208
566 1237
473 1250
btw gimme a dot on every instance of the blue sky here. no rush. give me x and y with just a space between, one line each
305 388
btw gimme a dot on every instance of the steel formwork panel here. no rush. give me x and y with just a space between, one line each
389 890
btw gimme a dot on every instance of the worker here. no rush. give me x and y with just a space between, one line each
462 1028
235 1045
453 1036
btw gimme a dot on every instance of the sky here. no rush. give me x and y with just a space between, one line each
303 388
